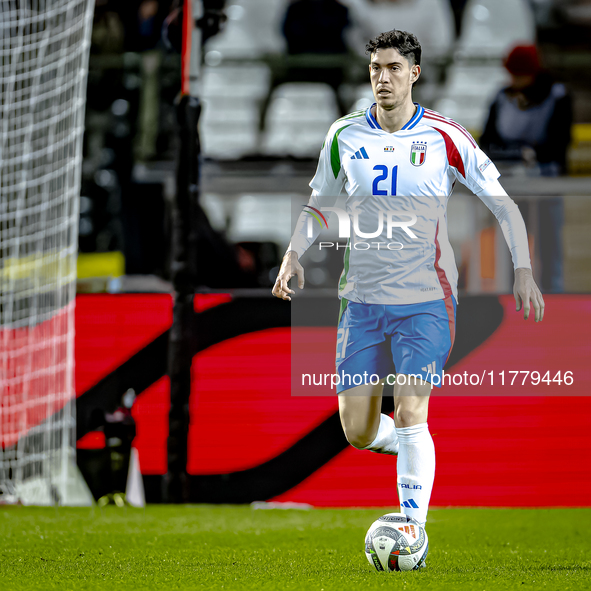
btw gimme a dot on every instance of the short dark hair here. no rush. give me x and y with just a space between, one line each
406 43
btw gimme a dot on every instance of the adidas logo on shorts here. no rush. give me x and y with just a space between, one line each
430 368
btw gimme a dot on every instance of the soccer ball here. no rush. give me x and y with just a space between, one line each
396 542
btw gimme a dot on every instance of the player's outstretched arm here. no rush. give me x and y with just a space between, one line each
300 242
526 291
324 184
290 267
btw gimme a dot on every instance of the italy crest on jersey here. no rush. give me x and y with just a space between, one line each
418 153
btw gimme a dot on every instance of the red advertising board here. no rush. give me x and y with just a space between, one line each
497 445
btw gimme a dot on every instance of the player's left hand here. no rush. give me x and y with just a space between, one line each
525 291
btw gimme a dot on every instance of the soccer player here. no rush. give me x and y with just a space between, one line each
398 303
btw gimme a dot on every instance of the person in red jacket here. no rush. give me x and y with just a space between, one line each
529 120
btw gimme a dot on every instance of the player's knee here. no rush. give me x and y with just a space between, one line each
406 417
358 438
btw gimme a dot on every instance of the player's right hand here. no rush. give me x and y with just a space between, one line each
290 267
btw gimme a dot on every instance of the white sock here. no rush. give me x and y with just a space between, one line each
416 470
386 441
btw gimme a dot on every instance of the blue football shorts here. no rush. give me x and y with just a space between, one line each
376 340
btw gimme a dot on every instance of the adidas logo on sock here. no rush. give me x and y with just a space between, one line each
361 154
410 504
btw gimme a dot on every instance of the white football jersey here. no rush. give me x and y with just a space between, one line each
406 176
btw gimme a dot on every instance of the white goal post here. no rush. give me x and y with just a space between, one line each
44 49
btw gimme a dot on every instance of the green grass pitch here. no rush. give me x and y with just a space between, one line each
236 547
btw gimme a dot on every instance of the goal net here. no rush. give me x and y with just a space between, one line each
44 47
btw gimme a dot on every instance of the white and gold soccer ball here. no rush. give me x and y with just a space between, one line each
396 542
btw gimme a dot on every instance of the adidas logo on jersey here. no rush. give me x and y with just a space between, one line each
361 154
430 368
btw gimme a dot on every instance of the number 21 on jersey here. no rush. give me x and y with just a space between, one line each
383 176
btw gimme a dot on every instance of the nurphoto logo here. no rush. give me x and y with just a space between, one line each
388 220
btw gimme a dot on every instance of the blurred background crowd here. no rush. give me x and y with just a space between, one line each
515 73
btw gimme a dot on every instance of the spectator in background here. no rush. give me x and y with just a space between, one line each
529 123
530 120
144 21
107 29
457 7
316 28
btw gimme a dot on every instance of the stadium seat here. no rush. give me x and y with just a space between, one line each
314 100
215 210
491 27
469 91
252 31
229 128
261 217
232 96
298 118
430 20
247 81
476 80
466 110
234 42
231 143
265 20
363 97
